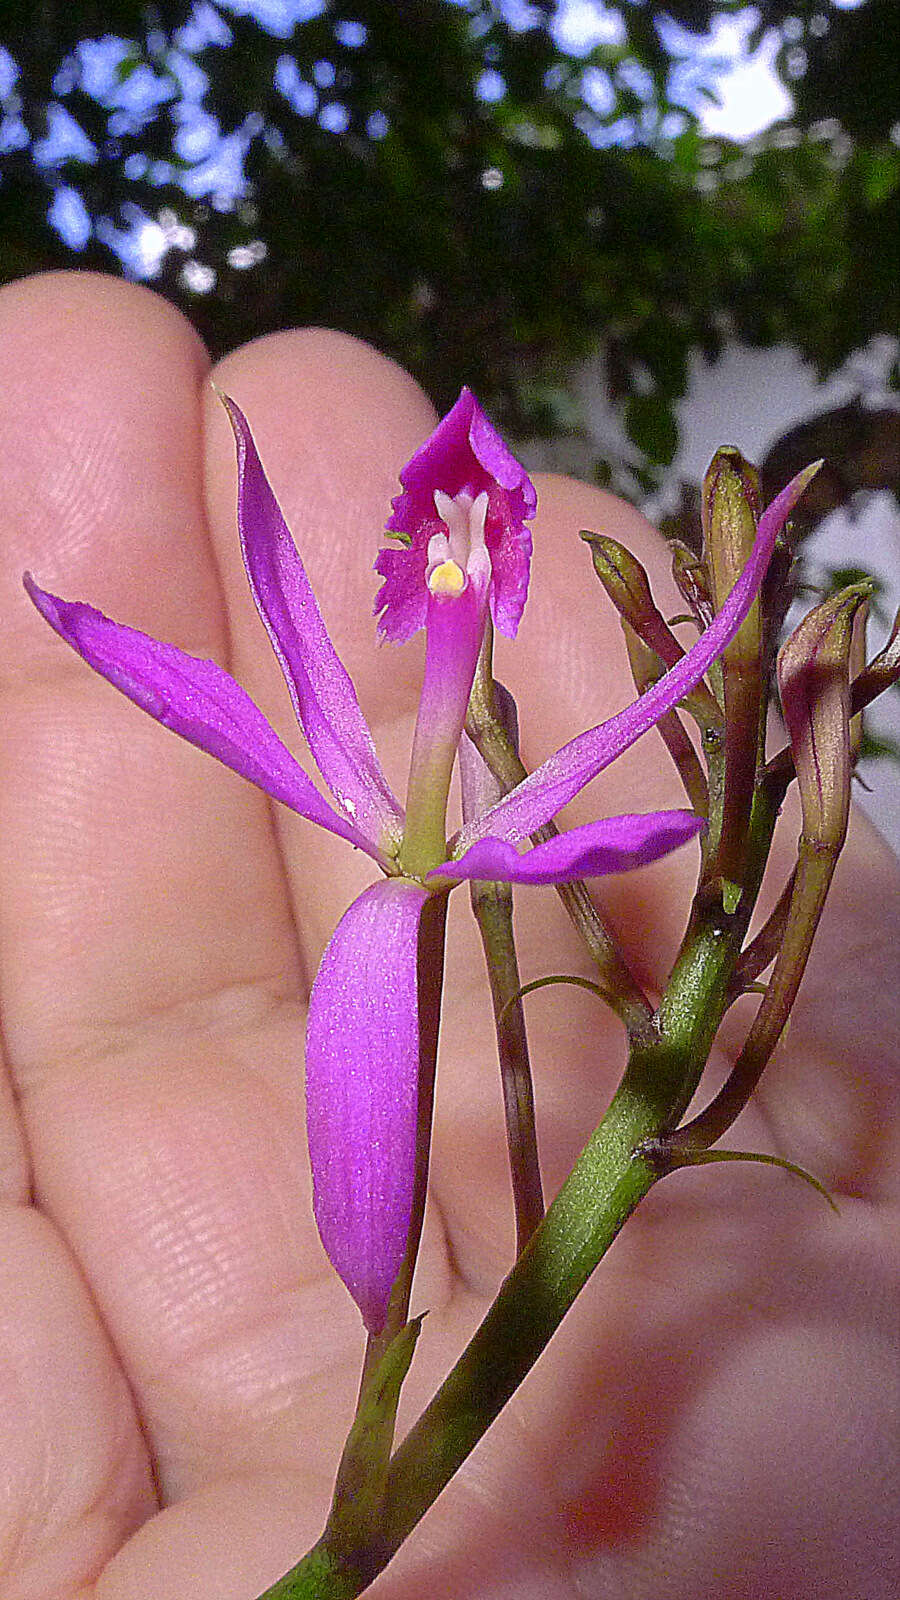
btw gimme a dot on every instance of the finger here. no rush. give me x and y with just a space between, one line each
149 969
76 1477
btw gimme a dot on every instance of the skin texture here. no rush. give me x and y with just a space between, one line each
177 1362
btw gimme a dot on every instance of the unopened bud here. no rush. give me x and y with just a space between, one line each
814 684
856 664
646 667
480 787
729 510
692 578
882 672
628 586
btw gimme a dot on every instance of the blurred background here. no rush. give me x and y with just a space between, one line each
636 230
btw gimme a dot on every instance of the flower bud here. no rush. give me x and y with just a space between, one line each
646 669
628 586
883 671
814 684
856 664
729 511
480 788
692 578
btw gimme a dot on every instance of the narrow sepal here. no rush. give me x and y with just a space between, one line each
196 699
322 693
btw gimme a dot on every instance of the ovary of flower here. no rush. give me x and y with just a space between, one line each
459 554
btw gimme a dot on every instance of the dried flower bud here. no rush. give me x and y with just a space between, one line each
730 509
692 578
628 587
814 683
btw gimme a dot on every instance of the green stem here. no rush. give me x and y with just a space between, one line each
604 1187
620 987
763 949
323 1574
815 868
607 1182
493 907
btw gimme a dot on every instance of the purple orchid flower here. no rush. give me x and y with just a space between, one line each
464 551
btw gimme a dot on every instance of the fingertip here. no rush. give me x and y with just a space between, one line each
54 314
100 474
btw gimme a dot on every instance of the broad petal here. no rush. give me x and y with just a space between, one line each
362 1081
551 786
614 844
197 700
323 695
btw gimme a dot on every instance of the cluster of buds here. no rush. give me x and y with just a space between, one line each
823 686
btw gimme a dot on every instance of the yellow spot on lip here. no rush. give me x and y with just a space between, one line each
448 579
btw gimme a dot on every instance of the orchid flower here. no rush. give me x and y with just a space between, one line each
462 551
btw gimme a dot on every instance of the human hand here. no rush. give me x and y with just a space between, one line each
716 1416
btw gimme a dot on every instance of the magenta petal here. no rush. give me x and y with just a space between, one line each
197 700
551 786
615 844
362 1079
323 694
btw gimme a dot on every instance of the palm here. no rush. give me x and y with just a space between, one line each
713 1416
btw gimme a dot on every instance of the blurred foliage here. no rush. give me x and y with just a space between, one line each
487 230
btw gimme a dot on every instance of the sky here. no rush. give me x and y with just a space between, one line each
749 98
